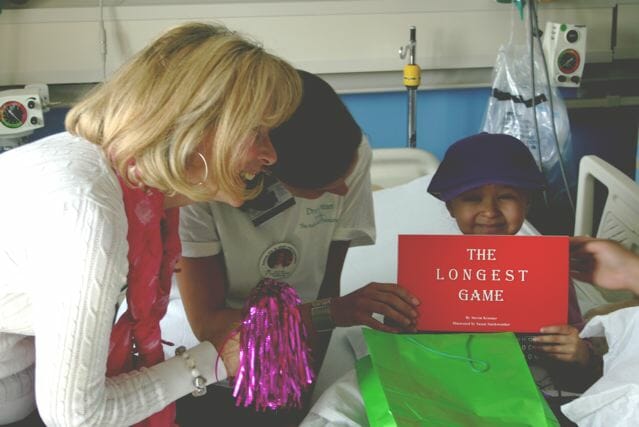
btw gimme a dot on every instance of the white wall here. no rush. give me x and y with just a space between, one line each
58 44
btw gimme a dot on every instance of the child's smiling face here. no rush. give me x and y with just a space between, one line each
490 209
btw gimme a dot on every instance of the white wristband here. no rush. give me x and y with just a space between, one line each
199 382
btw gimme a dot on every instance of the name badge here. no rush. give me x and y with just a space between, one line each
273 200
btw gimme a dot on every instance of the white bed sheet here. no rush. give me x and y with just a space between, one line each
614 399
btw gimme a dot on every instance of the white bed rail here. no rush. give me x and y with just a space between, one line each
396 166
619 217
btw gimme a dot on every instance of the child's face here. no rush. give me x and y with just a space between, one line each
489 209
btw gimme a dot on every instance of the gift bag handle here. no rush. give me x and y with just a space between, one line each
479 366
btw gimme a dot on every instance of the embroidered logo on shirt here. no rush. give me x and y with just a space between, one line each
319 215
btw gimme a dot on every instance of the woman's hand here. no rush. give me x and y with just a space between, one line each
387 299
563 343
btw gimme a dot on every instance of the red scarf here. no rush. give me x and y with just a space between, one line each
154 248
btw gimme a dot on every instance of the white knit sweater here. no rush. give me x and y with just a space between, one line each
63 263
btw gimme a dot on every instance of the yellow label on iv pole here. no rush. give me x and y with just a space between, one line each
412 75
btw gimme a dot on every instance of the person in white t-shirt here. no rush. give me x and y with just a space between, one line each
298 231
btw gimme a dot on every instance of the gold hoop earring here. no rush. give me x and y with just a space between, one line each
206 169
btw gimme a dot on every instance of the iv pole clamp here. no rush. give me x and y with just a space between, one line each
412 79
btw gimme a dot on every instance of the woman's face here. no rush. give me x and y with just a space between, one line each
260 155
490 209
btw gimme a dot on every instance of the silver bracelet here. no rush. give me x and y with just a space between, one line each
199 382
321 315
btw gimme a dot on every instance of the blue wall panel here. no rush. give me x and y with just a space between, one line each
443 116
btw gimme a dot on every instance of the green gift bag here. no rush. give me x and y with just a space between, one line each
449 380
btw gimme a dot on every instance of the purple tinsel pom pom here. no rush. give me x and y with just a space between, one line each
274 367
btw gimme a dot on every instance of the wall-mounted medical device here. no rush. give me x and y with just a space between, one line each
21 112
565 51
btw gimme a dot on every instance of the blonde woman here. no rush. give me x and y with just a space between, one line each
88 218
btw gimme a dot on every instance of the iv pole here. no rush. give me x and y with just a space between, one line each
412 79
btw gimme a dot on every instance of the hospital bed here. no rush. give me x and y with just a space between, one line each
408 209
403 206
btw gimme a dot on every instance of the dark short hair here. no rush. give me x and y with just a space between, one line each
485 158
318 143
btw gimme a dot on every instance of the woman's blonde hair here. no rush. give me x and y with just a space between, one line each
195 82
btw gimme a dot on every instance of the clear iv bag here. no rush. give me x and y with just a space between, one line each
510 107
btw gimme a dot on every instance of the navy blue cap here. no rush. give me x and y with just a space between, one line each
483 159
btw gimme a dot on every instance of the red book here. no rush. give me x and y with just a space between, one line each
486 283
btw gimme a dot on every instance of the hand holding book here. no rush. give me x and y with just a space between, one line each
387 299
562 342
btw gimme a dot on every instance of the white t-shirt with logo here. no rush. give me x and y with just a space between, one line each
292 246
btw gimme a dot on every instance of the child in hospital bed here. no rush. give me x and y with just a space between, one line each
486 181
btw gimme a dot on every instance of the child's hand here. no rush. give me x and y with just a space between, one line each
563 343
